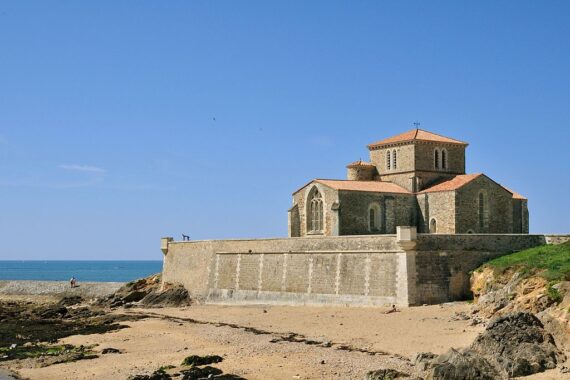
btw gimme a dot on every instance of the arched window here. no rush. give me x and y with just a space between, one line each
315 212
388 160
483 210
444 159
436 158
394 164
433 226
374 218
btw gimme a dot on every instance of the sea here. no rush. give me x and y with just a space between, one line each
82 270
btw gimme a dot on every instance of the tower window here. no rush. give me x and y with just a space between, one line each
388 160
436 158
444 159
315 212
394 162
483 211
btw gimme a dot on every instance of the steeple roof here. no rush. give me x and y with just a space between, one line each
416 135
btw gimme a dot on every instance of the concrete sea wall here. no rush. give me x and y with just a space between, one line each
403 269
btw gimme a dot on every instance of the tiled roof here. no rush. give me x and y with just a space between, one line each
371 186
452 184
360 163
515 194
416 135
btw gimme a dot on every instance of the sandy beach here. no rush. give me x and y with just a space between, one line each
266 342
169 335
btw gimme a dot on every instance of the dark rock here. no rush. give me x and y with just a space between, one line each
156 375
195 373
461 316
110 350
518 344
511 346
423 360
134 296
70 300
174 297
386 374
52 312
456 365
201 360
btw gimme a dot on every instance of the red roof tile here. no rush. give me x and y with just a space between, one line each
416 135
371 186
452 184
360 163
515 194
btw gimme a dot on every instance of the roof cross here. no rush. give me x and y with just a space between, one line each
416 124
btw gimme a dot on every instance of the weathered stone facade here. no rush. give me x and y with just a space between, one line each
404 269
413 179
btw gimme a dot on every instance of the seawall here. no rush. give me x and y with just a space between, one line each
403 269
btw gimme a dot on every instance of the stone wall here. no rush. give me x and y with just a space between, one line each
439 206
358 270
395 210
500 207
306 277
330 196
404 154
424 157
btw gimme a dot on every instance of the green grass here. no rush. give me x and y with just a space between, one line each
549 261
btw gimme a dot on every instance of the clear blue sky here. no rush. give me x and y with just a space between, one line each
107 132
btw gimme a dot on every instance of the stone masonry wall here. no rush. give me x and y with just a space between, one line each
395 210
500 209
441 207
404 162
330 196
361 270
424 157
305 277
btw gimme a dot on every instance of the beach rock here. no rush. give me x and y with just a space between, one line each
196 360
511 346
52 312
386 374
134 296
110 350
174 297
423 360
148 292
518 344
456 365
156 375
195 373
70 300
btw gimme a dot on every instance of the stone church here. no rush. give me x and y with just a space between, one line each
416 178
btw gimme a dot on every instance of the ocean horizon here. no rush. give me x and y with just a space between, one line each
82 270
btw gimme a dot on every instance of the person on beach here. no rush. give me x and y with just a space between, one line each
72 282
392 310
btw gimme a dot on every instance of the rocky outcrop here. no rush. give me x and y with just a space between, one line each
513 291
512 345
148 292
387 374
457 365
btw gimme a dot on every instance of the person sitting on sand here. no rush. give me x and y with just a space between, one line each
392 310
